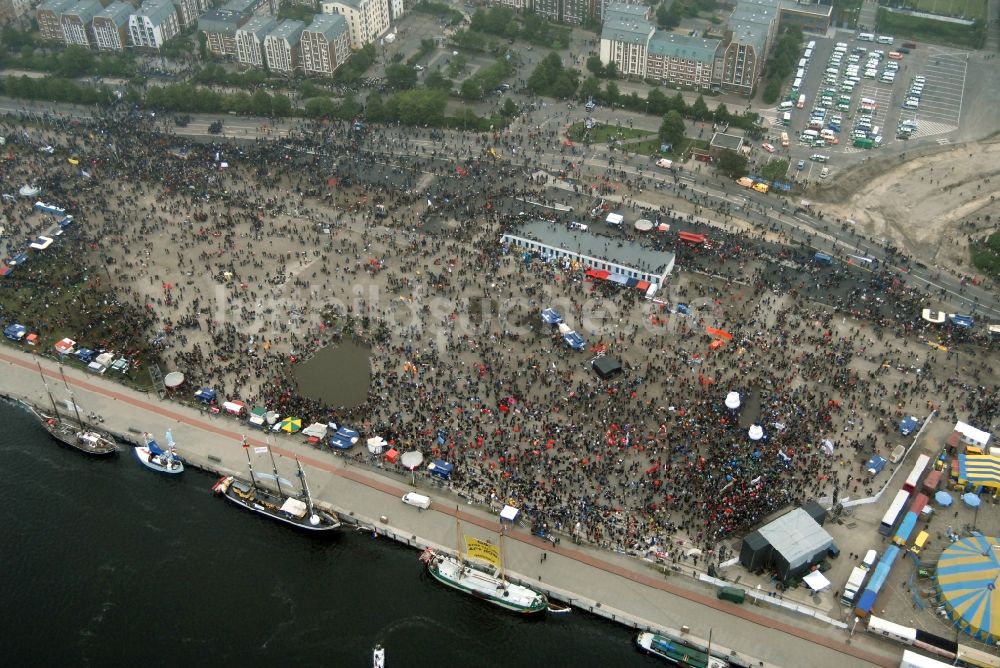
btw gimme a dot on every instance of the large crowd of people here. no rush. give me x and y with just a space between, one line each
234 262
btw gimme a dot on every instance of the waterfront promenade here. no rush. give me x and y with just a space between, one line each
618 587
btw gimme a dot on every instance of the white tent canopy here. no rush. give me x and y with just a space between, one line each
816 581
317 429
615 219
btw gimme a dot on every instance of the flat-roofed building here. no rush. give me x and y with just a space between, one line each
630 259
367 20
625 38
250 40
111 27
325 45
219 27
742 57
152 24
679 60
252 7
809 16
77 22
281 46
49 18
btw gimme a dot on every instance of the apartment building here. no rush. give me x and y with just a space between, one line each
110 27
325 45
680 60
281 46
625 38
220 26
49 18
152 24
367 20
76 22
250 40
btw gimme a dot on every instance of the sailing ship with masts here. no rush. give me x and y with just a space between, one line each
283 505
479 571
76 435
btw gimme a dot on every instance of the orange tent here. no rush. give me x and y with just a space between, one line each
718 333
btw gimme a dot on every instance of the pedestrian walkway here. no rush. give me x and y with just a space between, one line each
621 588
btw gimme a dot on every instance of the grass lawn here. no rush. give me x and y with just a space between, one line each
966 9
918 28
600 134
986 257
55 295
652 147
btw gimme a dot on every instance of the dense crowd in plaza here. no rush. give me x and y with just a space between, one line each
240 260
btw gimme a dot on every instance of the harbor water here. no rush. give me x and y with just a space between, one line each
106 563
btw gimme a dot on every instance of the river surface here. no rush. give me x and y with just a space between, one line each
338 375
105 563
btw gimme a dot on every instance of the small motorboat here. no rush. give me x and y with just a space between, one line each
378 657
154 457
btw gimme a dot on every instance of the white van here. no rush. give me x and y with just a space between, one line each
417 500
866 37
787 104
885 39
811 44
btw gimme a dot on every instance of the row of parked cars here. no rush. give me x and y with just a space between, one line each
914 93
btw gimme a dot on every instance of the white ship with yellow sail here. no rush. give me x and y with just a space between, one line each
479 572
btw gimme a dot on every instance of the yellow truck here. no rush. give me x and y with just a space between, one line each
760 187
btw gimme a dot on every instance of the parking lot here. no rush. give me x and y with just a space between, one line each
862 95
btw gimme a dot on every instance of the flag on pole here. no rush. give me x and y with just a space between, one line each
245 444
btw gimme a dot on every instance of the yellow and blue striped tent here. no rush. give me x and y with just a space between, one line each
967 575
979 470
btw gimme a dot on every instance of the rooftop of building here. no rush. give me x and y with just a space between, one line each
639 11
157 11
85 9
753 34
753 14
57 6
673 45
626 253
117 12
626 28
329 25
288 30
224 21
241 6
814 9
260 26
731 142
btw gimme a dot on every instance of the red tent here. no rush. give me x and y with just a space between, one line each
392 455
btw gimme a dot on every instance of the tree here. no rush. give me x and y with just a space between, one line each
509 108
732 164
375 108
400 76
772 91
320 107
349 108
721 114
471 89
595 66
611 93
699 110
74 62
611 70
438 81
260 103
591 88
281 105
656 102
672 129
669 17
775 170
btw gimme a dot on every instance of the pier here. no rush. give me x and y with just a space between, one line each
636 593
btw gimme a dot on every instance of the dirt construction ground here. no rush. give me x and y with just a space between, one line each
928 204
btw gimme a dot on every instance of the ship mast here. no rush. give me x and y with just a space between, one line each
305 487
458 535
47 390
246 449
274 467
72 399
503 576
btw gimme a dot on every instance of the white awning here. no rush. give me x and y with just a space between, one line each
509 513
816 581
317 429
298 508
